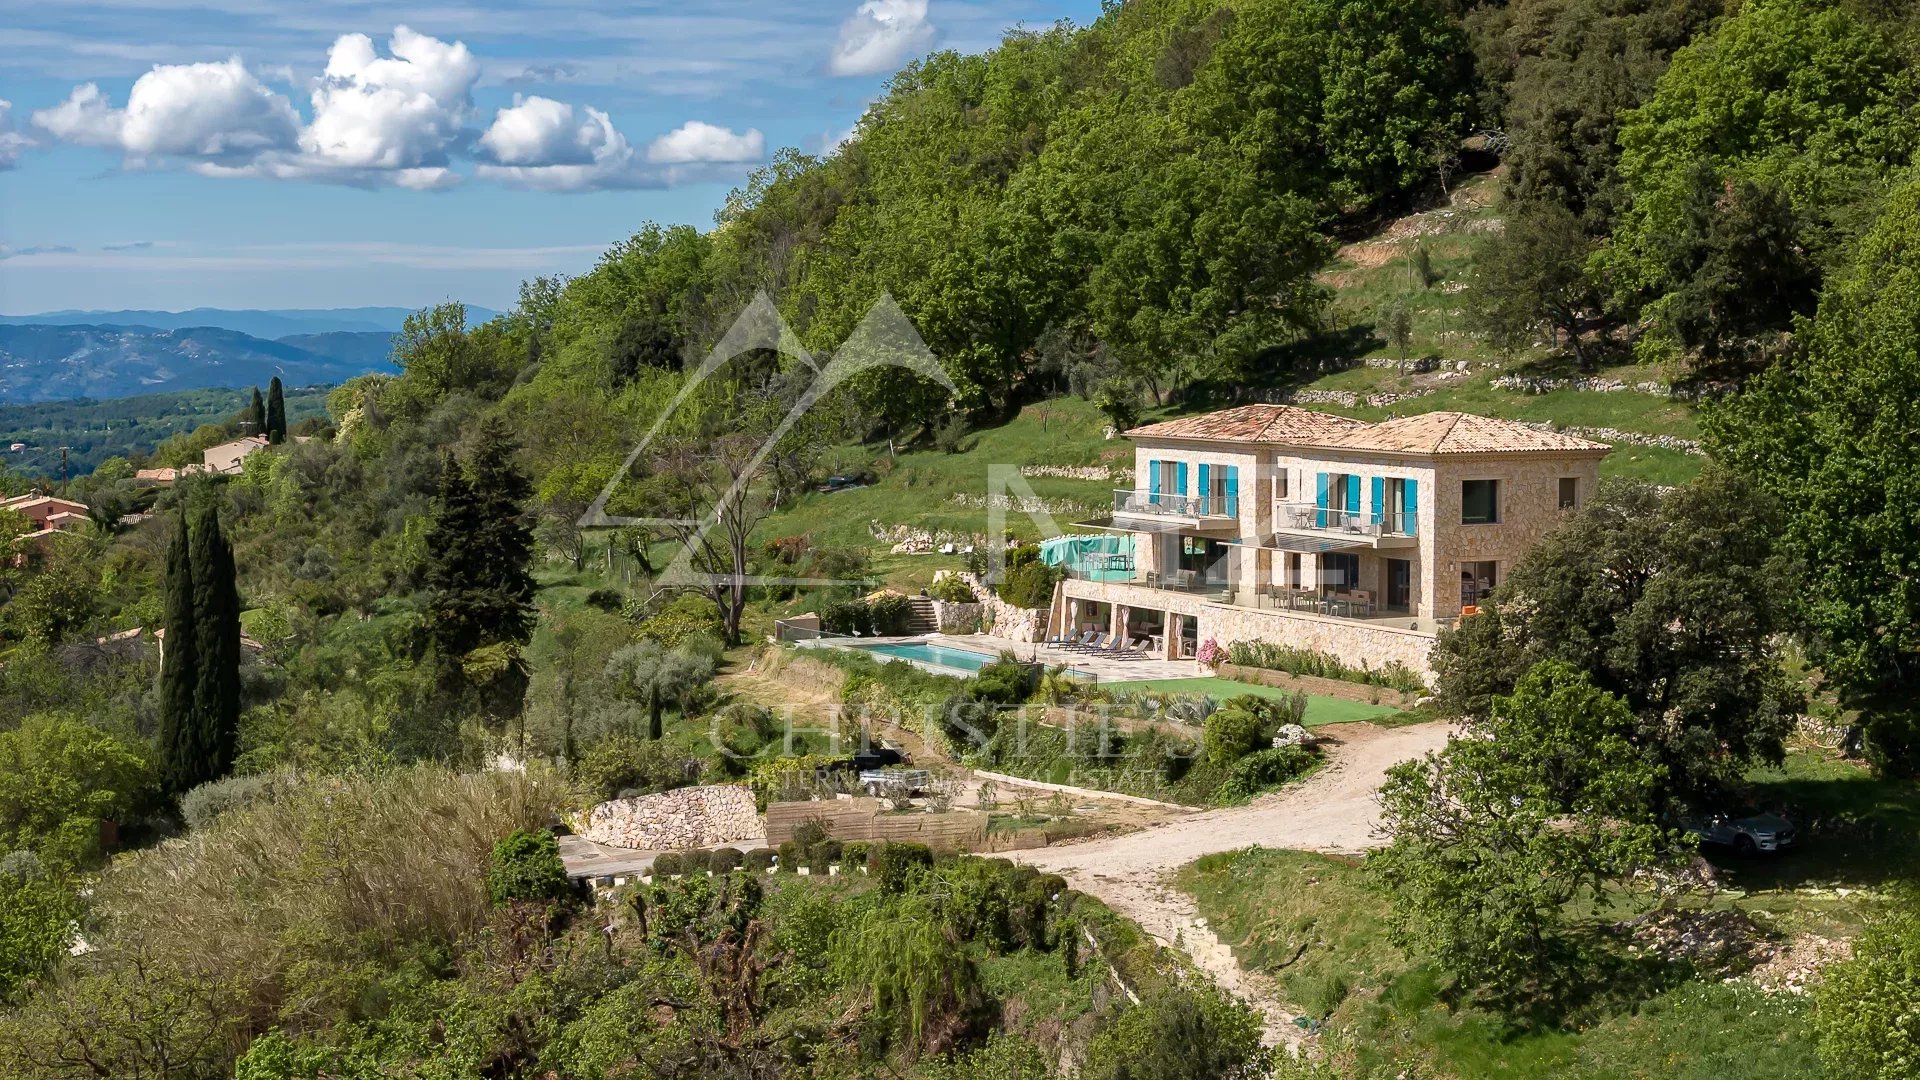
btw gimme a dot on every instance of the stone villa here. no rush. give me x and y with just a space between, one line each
1276 523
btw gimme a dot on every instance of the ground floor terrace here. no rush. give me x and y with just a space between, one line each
1170 619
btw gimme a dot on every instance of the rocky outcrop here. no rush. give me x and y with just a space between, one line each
680 820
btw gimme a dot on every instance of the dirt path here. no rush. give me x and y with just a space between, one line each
1332 811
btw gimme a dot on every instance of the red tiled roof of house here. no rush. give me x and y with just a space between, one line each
1459 433
1252 423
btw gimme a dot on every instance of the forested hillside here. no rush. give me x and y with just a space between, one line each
1712 207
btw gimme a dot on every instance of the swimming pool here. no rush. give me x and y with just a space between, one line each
945 656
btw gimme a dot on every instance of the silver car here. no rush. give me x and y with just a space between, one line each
1746 834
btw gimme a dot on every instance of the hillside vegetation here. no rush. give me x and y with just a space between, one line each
1705 215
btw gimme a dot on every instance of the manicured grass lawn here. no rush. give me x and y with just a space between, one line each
1320 710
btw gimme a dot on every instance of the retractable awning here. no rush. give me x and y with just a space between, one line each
1306 545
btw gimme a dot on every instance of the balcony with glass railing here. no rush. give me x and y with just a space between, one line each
1309 517
1168 504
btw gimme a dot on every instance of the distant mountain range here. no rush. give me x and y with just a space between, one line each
53 363
272 324
108 354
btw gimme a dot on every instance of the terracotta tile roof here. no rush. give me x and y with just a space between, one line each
1252 423
1458 433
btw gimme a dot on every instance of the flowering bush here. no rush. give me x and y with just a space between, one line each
1211 654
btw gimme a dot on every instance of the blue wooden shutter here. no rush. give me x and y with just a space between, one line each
1153 483
1180 477
1353 499
1233 491
1320 500
1410 507
1205 492
1379 500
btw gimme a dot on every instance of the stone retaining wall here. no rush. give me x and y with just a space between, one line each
679 820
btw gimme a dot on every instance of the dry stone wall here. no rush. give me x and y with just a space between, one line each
679 820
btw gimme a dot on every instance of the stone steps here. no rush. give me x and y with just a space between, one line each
920 617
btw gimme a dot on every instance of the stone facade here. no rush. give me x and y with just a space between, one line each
679 820
1372 644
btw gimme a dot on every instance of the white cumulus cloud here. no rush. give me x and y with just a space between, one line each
696 141
879 36
399 118
402 112
216 111
11 141
542 131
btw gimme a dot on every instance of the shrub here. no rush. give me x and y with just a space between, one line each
1272 657
787 550
846 617
887 613
791 855
1263 769
1232 733
685 616
895 864
525 865
1030 584
607 600
668 864
952 590
1006 681
785 778
1210 654
1865 1018
853 855
696 862
757 861
822 857
621 762
724 860
215 797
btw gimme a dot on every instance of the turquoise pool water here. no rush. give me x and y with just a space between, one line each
946 656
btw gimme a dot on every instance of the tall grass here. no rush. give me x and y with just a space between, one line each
334 872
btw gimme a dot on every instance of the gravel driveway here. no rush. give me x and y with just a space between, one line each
1334 810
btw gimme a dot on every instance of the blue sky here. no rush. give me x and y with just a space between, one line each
312 153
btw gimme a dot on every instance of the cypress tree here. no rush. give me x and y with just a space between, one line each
276 413
257 415
179 750
216 622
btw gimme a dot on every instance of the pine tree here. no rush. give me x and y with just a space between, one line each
276 413
179 749
216 622
479 583
257 415
480 550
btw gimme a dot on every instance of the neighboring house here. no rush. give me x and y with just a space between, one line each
1276 523
226 457
166 477
48 512
49 516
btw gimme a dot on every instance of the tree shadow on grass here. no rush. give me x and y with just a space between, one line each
1852 829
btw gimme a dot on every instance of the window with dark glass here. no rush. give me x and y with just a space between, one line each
1479 502
1569 492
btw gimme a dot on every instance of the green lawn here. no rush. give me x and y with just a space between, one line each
1320 710
1317 926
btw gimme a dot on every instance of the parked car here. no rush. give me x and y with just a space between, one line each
1747 832
895 783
